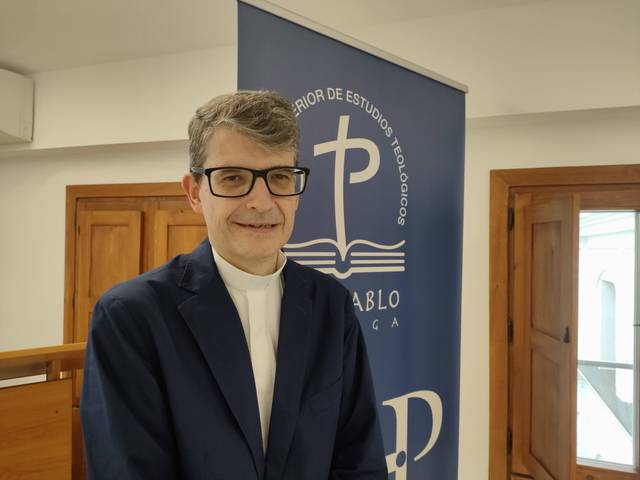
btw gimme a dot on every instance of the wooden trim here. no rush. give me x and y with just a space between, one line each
37 361
627 199
69 264
498 318
556 176
166 189
573 362
73 194
586 472
518 386
54 368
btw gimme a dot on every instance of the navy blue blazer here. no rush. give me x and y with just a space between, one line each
169 393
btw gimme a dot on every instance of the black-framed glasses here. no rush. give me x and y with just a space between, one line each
239 181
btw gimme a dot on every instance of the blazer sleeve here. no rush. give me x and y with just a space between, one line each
125 419
358 452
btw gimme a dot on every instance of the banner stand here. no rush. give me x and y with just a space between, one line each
384 139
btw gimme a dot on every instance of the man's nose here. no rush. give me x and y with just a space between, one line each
259 197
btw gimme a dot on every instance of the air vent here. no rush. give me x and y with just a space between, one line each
16 108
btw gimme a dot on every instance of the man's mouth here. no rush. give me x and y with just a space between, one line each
258 226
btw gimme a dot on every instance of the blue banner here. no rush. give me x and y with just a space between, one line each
382 213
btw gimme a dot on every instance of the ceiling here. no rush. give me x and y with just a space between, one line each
516 56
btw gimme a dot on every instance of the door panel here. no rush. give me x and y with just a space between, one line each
545 250
109 249
114 250
176 232
546 394
545 291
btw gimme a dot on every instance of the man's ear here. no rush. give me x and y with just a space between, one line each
192 188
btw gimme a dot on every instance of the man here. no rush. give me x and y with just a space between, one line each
232 362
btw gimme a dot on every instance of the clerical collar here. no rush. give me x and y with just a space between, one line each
234 277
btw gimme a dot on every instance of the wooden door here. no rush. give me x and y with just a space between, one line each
545 248
115 232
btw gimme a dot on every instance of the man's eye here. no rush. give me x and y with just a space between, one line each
281 177
231 178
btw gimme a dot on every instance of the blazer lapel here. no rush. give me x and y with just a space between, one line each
214 322
293 343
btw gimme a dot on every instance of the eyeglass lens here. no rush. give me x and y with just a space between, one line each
235 182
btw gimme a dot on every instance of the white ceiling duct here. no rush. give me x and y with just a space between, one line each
16 108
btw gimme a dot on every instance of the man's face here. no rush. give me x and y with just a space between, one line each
246 231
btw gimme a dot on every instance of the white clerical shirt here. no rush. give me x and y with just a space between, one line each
258 299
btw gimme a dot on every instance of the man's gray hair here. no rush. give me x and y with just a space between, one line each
266 117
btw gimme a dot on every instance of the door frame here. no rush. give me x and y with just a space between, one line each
74 193
501 184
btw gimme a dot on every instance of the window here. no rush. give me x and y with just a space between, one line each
608 366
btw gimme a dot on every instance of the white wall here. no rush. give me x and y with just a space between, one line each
143 100
528 57
125 122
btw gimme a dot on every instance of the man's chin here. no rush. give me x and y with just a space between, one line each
256 250
259 262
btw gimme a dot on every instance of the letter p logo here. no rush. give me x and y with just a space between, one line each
397 461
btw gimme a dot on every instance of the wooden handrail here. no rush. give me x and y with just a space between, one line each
45 360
